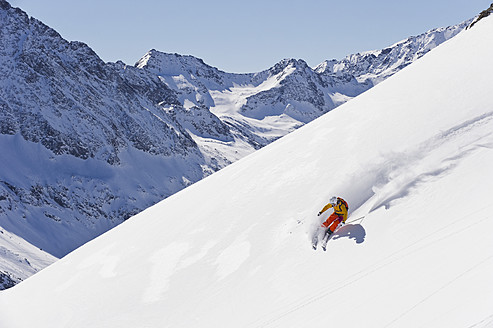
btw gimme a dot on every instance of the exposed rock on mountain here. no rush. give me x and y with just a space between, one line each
78 133
483 14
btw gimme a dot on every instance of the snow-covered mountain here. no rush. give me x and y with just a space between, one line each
412 156
371 67
19 260
87 144
267 105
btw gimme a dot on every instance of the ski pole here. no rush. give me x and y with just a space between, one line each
360 218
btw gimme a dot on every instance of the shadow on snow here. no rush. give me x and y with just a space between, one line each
351 231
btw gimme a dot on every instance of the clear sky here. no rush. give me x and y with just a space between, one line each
249 35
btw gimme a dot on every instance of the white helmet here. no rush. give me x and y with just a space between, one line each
333 201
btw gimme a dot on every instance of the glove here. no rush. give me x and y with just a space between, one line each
319 213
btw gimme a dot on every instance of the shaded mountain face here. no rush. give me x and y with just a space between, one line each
73 128
62 95
87 144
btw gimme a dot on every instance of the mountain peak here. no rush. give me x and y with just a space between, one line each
170 63
296 63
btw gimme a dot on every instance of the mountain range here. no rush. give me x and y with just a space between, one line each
88 144
411 156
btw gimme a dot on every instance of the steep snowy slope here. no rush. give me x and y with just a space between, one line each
19 260
412 155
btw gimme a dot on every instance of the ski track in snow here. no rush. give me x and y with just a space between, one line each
442 287
485 323
399 255
400 173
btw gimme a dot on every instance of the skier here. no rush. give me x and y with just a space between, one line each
340 207
339 216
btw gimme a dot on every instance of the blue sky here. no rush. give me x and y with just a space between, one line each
245 36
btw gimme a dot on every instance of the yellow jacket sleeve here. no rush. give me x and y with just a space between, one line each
326 207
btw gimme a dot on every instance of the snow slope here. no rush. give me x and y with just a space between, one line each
19 260
412 155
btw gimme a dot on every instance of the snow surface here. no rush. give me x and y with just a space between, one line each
266 122
19 259
412 155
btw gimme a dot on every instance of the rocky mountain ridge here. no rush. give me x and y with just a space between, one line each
290 91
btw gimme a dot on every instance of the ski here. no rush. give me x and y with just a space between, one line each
315 242
325 240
